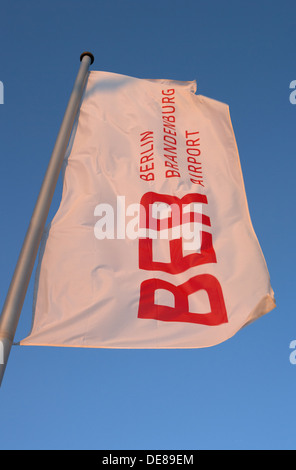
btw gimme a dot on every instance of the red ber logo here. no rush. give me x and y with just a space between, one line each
180 312
179 263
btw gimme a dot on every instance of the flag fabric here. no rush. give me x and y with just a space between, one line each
152 245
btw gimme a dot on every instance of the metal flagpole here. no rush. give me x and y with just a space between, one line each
22 274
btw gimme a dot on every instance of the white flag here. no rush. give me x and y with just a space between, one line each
152 245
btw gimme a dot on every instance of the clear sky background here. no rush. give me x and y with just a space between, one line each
239 394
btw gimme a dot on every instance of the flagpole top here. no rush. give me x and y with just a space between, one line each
89 54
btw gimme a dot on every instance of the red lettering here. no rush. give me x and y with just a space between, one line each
192 143
180 312
146 139
146 158
172 174
169 129
194 169
193 160
169 118
193 152
171 91
172 158
179 263
146 135
168 100
148 177
170 109
171 140
147 167
200 182
171 165
190 133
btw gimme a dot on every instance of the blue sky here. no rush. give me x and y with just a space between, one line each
240 394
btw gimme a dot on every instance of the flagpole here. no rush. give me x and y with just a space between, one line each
22 274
